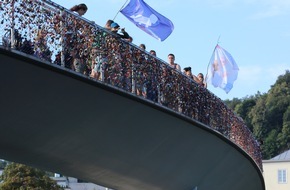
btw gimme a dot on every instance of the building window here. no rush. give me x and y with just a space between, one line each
282 176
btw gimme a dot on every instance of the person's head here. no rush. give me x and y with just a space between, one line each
81 9
171 58
115 27
200 77
108 24
153 52
142 46
187 71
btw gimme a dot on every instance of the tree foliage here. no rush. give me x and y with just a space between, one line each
268 116
20 177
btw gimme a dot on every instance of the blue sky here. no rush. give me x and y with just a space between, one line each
255 32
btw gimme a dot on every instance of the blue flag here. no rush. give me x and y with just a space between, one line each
148 20
223 70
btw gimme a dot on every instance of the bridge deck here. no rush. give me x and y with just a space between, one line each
62 122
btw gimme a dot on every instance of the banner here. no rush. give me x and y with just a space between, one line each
148 20
222 70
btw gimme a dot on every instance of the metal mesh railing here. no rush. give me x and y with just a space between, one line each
54 34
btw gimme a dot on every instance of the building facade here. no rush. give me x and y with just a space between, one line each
70 183
276 172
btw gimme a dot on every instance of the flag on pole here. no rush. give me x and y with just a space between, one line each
148 20
222 70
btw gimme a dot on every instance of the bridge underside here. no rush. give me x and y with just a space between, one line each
61 122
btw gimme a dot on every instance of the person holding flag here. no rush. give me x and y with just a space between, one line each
115 28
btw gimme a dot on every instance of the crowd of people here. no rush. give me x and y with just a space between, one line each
107 54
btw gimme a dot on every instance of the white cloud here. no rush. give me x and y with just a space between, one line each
269 8
250 74
264 8
220 3
276 70
271 11
260 73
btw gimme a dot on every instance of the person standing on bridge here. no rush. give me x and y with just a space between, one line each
200 80
153 52
171 59
108 24
188 73
115 28
80 9
68 26
174 100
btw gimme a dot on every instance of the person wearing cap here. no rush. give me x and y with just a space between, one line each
115 28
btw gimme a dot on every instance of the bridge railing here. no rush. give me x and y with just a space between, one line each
54 34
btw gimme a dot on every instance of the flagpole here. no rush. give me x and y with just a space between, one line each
120 9
218 41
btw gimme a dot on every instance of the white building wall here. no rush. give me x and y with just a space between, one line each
72 184
85 186
271 174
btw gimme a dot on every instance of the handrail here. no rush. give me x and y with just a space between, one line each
52 33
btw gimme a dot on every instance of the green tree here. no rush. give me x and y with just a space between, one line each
232 103
244 108
269 147
284 136
268 116
20 177
284 108
257 117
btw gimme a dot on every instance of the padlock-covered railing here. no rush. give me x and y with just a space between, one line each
57 36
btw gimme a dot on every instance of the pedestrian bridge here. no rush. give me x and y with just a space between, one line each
129 123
